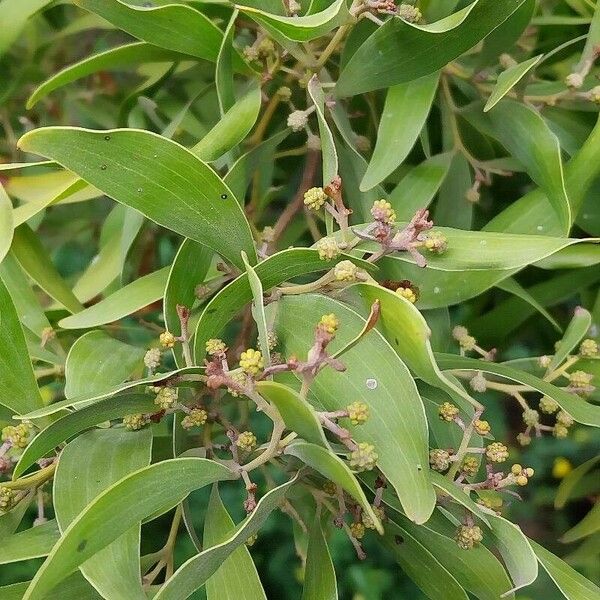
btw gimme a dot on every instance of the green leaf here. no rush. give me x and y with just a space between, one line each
378 378
193 573
6 223
421 566
330 466
272 271
399 51
157 177
575 332
478 571
232 128
112 513
31 543
418 187
110 454
19 391
517 127
17 13
328 151
589 525
512 286
582 411
176 26
513 546
297 414
75 587
71 424
508 79
188 270
91 398
406 330
301 29
123 302
97 362
571 480
224 69
35 261
114 58
572 584
258 311
27 305
404 114
319 575
237 576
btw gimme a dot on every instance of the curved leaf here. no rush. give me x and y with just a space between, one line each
123 302
399 51
112 513
508 79
575 332
157 177
195 571
397 426
319 574
63 429
237 576
6 223
19 391
17 13
110 454
114 58
571 480
404 114
31 543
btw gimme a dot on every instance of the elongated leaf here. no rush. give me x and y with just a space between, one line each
297 414
110 454
272 271
31 543
112 513
421 566
375 375
115 58
258 311
232 128
407 332
319 575
26 303
330 466
417 189
96 362
156 176
508 79
575 332
17 13
328 151
123 302
399 51
91 398
35 262
516 126
188 270
405 112
74 587
175 26
589 525
583 412
196 570
6 223
302 29
572 584
224 68
571 480
19 391
237 576
63 429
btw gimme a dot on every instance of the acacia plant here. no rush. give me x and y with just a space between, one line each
284 250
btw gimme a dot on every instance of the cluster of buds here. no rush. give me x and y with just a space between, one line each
246 441
563 421
468 536
215 347
483 428
7 499
448 411
364 457
436 242
496 452
328 248
468 343
297 121
152 359
589 348
195 418
136 421
252 362
580 383
18 436
384 233
262 49
167 339
347 272
315 197
358 413
521 475
469 466
166 398
439 459
408 293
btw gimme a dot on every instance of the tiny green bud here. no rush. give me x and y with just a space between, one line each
215 347
7 499
364 458
195 418
136 421
358 413
246 441
470 466
468 536
448 411
531 417
496 452
548 405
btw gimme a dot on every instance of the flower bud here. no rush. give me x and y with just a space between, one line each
328 248
496 452
588 347
297 120
467 536
364 458
383 212
407 293
345 270
246 441
166 398
329 323
195 418
136 421
482 427
469 466
152 358
439 459
448 411
436 242
358 413
252 361
548 405
215 347
409 13
574 80
531 417
357 529
167 339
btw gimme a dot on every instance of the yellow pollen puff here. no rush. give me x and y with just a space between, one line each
561 468
329 323
314 198
251 361
407 294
